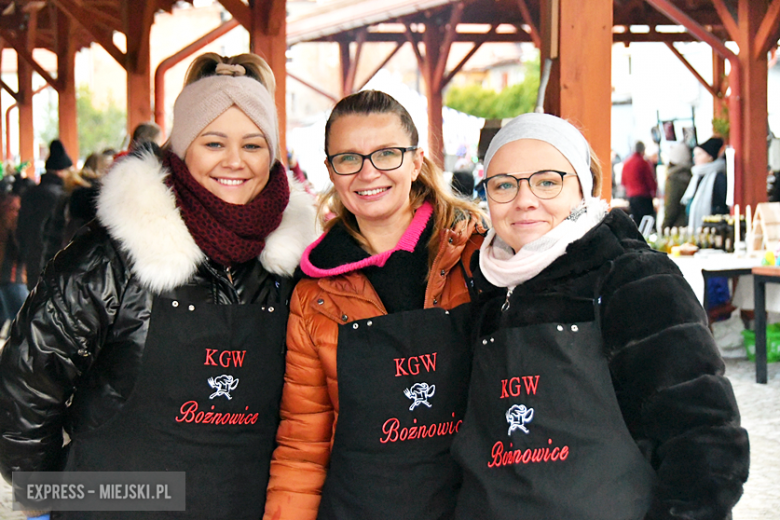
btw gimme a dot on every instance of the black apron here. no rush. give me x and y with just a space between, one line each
544 437
403 380
206 401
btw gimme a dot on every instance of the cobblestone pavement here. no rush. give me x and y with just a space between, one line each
760 408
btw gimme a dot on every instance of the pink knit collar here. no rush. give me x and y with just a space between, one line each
407 243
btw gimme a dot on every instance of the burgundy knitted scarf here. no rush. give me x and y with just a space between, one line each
229 234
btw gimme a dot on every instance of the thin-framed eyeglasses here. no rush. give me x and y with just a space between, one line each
384 159
544 184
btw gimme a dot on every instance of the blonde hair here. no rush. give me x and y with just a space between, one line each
596 172
256 67
429 185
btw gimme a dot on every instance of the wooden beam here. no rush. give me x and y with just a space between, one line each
313 87
24 72
692 70
466 58
769 30
79 15
138 24
411 39
381 65
240 11
727 18
433 38
27 56
349 80
450 30
8 89
529 21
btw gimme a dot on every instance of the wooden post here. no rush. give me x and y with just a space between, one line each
433 39
754 105
581 88
719 83
2 148
25 71
66 56
345 62
268 39
138 25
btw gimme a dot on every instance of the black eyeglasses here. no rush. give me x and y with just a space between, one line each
385 159
545 184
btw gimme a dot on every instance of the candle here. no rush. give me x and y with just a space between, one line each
736 226
748 229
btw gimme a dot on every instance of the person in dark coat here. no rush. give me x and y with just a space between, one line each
706 192
597 390
156 339
37 204
678 176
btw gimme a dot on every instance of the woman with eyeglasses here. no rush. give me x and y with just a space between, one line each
378 341
597 391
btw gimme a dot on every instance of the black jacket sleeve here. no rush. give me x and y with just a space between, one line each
53 342
668 377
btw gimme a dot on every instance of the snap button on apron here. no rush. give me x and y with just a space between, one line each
574 328
484 342
369 323
191 307
492 340
270 309
560 328
175 303
354 325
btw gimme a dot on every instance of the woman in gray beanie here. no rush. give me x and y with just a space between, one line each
597 391
156 338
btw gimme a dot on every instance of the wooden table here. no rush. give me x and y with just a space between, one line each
761 277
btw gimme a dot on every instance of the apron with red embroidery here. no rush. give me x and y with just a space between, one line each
403 380
206 402
543 435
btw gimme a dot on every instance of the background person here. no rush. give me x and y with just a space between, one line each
378 339
706 192
597 390
37 204
124 341
678 176
638 178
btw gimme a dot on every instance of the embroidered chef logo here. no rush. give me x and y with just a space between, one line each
420 392
518 416
223 385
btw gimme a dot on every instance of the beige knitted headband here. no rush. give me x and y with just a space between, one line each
203 101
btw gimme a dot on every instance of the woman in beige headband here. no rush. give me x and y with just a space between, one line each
156 338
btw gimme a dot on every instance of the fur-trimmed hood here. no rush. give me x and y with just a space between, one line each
140 212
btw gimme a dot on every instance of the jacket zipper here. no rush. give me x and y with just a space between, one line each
509 292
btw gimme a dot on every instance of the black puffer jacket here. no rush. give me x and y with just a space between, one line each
665 367
75 349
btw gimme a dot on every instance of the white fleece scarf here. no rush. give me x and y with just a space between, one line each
502 267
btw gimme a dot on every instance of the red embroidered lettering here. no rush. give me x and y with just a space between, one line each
187 411
496 453
222 361
564 453
429 365
530 384
238 358
199 417
414 369
500 457
504 393
399 367
390 429
514 387
209 359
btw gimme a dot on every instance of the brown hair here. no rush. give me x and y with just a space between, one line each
429 184
256 67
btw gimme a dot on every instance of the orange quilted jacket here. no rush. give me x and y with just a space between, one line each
310 401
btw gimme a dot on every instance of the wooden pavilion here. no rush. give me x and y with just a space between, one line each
576 34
